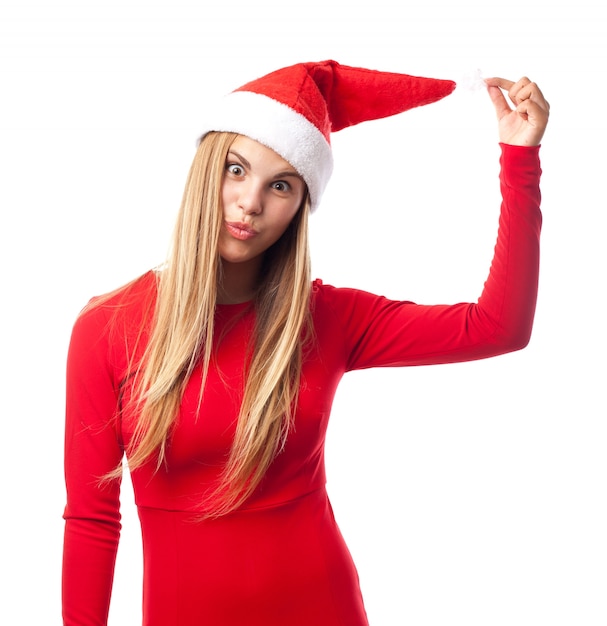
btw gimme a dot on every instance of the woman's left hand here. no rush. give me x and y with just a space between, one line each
523 125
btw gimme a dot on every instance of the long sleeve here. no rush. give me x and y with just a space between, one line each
92 448
376 331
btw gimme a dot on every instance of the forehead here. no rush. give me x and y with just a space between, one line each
257 153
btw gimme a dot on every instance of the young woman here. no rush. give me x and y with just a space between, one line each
215 374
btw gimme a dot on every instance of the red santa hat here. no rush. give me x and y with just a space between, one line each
293 110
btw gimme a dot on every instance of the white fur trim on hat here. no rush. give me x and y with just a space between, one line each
280 128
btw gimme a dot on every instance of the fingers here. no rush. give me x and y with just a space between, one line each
518 92
526 121
536 115
502 83
499 102
525 90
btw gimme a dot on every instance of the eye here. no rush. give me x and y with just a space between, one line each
281 185
235 169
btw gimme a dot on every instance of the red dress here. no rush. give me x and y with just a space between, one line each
280 559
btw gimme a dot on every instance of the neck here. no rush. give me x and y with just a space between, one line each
239 282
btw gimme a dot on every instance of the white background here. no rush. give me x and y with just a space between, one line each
469 494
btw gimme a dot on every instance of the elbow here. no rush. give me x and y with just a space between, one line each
504 334
515 340
521 344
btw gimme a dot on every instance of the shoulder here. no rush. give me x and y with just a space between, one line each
125 308
327 293
344 304
323 294
134 293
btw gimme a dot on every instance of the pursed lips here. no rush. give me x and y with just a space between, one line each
240 230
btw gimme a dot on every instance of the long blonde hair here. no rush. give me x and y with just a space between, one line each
181 337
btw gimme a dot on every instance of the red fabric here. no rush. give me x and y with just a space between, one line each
333 96
280 559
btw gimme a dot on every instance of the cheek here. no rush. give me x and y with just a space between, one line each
224 196
291 210
284 220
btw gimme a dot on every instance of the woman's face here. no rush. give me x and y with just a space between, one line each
261 193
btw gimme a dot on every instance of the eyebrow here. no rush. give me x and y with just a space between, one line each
242 159
246 163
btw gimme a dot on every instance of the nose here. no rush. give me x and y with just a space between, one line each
250 198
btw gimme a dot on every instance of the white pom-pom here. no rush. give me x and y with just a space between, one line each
472 81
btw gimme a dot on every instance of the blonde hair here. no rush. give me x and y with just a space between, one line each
181 337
